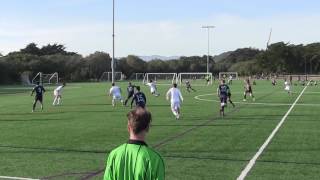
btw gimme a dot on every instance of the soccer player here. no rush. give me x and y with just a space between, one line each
130 90
207 78
39 95
188 87
115 92
139 98
222 92
230 80
247 90
274 82
153 88
229 98
57 94
176 98
134 159
287 87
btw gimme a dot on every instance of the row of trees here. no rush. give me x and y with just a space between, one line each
279 58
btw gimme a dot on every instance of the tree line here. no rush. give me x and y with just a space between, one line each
279 58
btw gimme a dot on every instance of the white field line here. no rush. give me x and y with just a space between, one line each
252 103
16 178
251 163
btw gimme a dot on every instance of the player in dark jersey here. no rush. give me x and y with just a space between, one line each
247 90
274 82
229 99
139 98
222 93
130 90
39 95
188 87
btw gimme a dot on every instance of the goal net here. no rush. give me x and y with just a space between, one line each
42 78
196 78
138 76
228 75
161 78
107 76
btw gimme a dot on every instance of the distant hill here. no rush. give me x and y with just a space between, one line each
222 56
153 57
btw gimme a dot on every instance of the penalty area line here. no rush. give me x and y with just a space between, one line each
16 178
253 160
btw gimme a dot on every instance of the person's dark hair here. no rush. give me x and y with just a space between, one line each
175 85
113 84
150 80
38 83
139 119
138 88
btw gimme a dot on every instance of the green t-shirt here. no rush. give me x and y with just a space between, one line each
134 161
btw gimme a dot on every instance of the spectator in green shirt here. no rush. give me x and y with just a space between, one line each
134 160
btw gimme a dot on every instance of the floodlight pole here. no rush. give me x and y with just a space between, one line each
113 59
208 28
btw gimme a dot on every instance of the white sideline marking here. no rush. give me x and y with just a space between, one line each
252 103
16 178
251 163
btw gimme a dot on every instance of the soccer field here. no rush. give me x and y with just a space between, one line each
72 141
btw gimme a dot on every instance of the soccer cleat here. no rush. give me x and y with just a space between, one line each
244 100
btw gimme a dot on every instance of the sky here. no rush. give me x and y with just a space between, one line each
157 27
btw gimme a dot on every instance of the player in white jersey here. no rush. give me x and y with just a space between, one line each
57 93
115 92
287 87
176 98
153 88
230 80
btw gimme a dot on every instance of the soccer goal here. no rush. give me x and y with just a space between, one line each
228 75
139 76
107 76
195 78
42 78
161 78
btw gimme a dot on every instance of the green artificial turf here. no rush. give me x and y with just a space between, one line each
72 141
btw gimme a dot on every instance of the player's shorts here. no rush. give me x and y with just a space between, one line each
57 93
249 90
38 98
117 97
130 94
175 105
142 105
152 90
287 88
223 100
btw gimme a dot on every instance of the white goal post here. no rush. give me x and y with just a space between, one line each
139 76
107 76
42 78
161 77
226 75
194 77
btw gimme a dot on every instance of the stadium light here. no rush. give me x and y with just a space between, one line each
208 28
112 61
